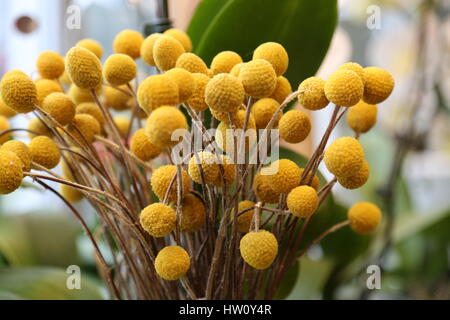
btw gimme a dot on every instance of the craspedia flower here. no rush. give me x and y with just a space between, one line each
294 126
224 62
123 125
50 65
117 99
86 125
93 46
185 82
142 148
71 194
259 78
192 63
156 91
282 90
172 263
84 68
356 180
263 191
166 52
197 99
364 217
378 85
263 111
44 151
344 88
207 161
244 221
315 183
259 249
18 92
92 109
79 95
20 149
275 54
224 133
119 69
344 157
128 42
60 107
11 173
181 36
284 175
302 201
362 117
237 69
224 93
229 170
147 49
193 214
312 94
45 87
161 179
38 128
355 67
162 123
4 125
6 111
158 220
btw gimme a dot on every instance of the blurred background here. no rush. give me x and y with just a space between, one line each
408 150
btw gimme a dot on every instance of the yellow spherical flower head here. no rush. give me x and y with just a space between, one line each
229 170
161 181
172 263
84 128
356 180
158 220
38 128
45 87
224 133
6 111
378 85
166 52
294 126
92 109
204 165
263 190
224 93
44 152
224 62
236 70
259 78
71 194
185 82
84 68
117 99
20 149
259 249
283 175
344 157
274 53
244 221
123 124
193 214
4 125
92 45
18 92
362 117
147 49
50 65
128 42
315 183
60 107
119 69
282 90
355 67
192 63
344 88
79 95
182 38
11 173
156 91
142 148
364 217
197 99
163 123
312 94
302 201
263 111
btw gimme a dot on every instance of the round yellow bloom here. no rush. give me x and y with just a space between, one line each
166 52
84 68
209 166
284 175
94 46
147 49
275 54
11 173
87 125
302 201
93 110
20 149
229 170
156 91
128 42
18 92
263 191
4 125
123 124
315 183
224 134
192 63
185 82
364 217
38 129
224 93
236 70
172 263
182 38
355 67
60 107
224 62
259 78
142 148
6 111
158 220
362 117
162 123
259 249
45 87
119 69
244 221
344 157
71 194
344 88
294 126
378 85
282 90
161 179
44 151
79 95
116 99
50 65
312 94
357 180
193 214
263 111
197 99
